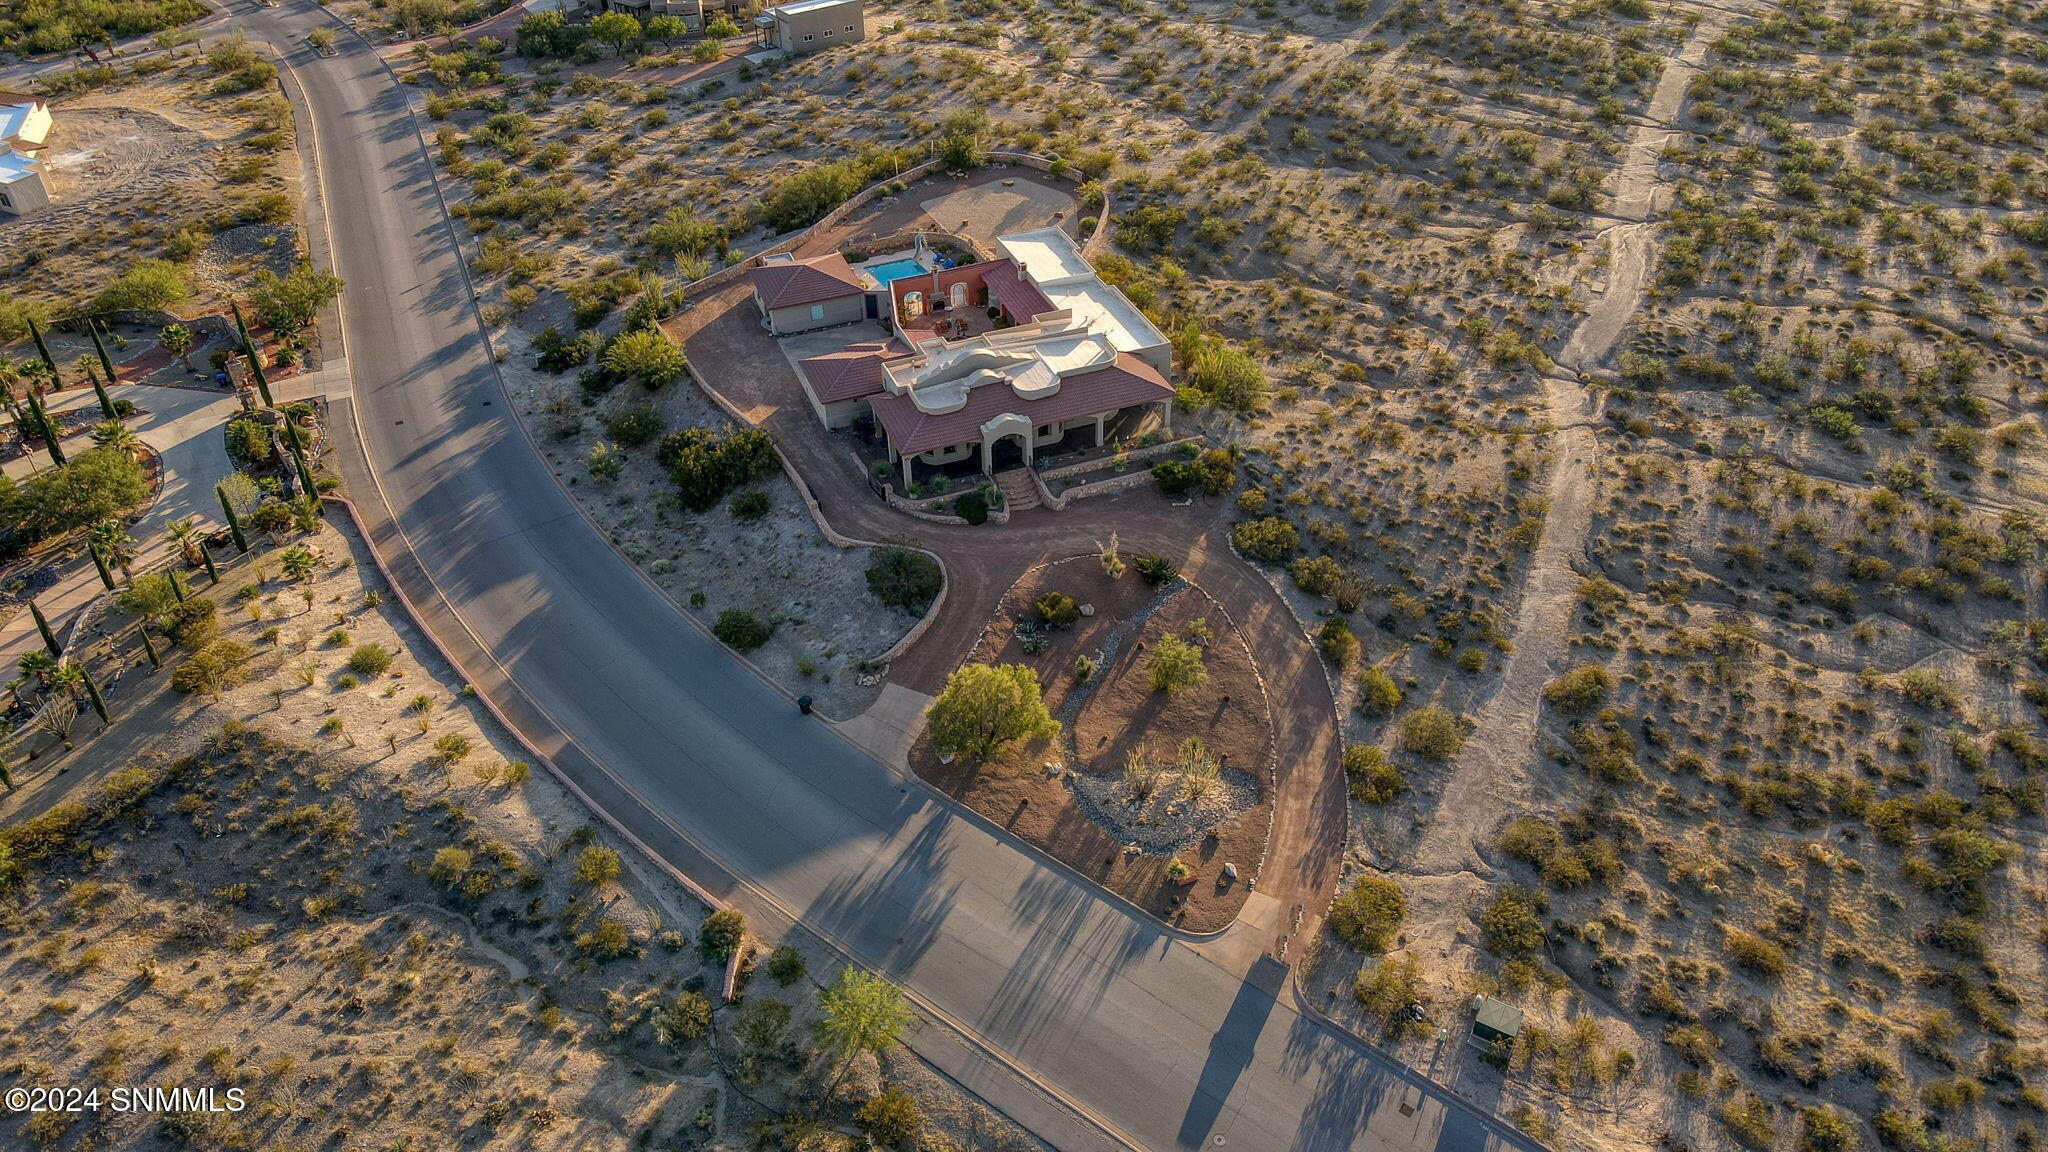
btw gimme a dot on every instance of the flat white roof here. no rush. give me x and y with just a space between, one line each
1047 255
802 6
1107 311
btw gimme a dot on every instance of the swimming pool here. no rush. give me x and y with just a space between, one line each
893 270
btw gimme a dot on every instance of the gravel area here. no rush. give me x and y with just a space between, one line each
778 567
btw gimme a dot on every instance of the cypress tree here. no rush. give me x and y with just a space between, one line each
45 428
255 361
100 562
43 626
234 521
92 690
149 647
49 361
206 558
6 777
107 366
177 580
291 440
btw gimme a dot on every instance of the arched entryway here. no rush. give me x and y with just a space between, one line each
1005 453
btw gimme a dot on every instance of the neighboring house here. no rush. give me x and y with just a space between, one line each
808 25
695 13
24 129
956 384
799 295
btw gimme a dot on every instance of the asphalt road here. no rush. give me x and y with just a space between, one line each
702 759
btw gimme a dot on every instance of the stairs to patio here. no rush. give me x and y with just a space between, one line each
1019 493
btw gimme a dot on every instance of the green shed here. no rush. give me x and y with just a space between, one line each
1494 1021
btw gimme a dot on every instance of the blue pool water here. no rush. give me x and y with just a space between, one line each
893 270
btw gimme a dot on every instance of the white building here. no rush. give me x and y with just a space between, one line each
24 130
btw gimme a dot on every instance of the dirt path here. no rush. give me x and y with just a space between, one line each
1498 772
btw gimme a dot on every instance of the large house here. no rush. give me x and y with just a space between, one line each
995 360
24 130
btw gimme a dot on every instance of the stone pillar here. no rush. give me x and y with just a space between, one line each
905 461
1100 420
1166 415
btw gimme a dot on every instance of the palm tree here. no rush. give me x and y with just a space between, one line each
177 340
114 434
298 563
38 666
13 378
70 680
111 540
186 534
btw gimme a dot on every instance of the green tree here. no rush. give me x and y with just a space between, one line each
1378 695
740 629
721 27
802 198
290 303
1175 665
722 934
684 1021
959 147
859 1013
985 707
114 434
679 233
667 29
1366 916
1373 780
93 486
1510 924
646 355
618 29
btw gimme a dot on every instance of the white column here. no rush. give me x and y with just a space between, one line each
1100 419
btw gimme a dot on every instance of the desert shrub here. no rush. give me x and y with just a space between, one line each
683 1021
91 486
370 660
1175 665
904 577
597 865
1213 472
722 933
1580 690
785 965
740 629
1391 990
1530 839
1373 780
1510 925
559 353
449 866
1752 1122
607 939
1366 916
1269 540
1432 733
646 355
803 198
1755 953
1056 608
194 623
891 1119
143 285
1316 575
750 504
705 466
1693 1044
633 427
972 507
1378 695
213 669
1606 748
1155 569
1338 643
1826 1129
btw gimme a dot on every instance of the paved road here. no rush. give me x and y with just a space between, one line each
714 768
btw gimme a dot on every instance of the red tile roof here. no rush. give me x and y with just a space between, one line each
1127 382
801 282
850 373
1018 296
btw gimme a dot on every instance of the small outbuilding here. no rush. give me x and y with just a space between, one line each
808 25
1495 1022
800 295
